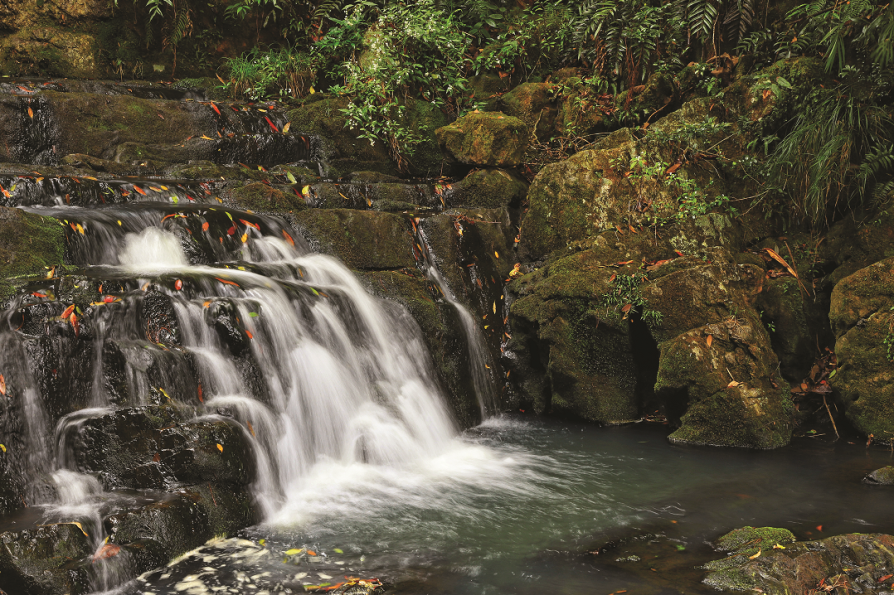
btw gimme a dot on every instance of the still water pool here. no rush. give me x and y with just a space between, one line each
516 505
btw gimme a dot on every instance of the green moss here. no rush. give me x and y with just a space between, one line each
362 239
29 245
267 199
486 139
747 540
489 188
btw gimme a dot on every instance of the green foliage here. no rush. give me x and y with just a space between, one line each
625 298
275 73
838 147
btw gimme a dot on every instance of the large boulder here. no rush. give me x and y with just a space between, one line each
43 559
862 317
490 139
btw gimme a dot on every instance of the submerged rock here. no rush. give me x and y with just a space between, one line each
883 476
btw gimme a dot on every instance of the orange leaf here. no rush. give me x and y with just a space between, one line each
626 308
205 226
672 169
214 107
73 319
107 551
275 129
250 336
67 312
140 190
288 238
612 278
227 282
311 553
710 340
2 385
30 113
250 428
220 447
201 400
250 224
178 284
631 228
886 577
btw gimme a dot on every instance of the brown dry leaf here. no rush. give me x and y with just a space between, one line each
109 550
250 428
732 384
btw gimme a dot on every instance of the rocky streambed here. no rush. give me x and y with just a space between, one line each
178 356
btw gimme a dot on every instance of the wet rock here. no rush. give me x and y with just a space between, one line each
883 476
844 563
862 318
489 139
488 188
51 50
43 560
29 246
186 521
848 247
155 447
159 319
362 239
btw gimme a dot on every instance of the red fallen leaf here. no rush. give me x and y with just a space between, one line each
73 319
168 217
26 90
612 278
67 312
288 238
275 129
227 282
178 284
156 458
205 226
140 190
231 231
2 385
109 550
626 262
39 295
679 253
108 299
214 107
250 224
250 336
201 400
819 528
886 577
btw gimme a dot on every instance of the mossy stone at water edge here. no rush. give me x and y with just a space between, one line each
489 139
361 239
488 188
854 562
750 539
264 198
883 476
863 320
42 560
29 244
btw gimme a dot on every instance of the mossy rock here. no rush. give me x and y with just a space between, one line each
571 356
488 188
38 561
361 239
49 50
861 295
856 560
535 105
849 247
864 381
748 540
29 245
883 476
441 333
489 139
267 199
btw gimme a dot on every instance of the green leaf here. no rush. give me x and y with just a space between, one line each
783 83
337 551
291 177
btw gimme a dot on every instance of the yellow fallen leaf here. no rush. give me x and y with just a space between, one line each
495 307
164 392
311 90
244 238
497 254
755 555
306 191
285 128
294 551
220 447
80 229
778 547
3 448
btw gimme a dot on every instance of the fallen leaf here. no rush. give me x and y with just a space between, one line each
178 284
709 340
205 226
73 319
164 392
220 447
214 107
778 547
514 270
732 384
886 577
244 238
755 555
2 385
30 113
288 238
227 282
201 400
294 552
285 128
3 447
275 129
67 312
497 254
250 428
139 190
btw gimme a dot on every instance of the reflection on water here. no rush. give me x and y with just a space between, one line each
515 504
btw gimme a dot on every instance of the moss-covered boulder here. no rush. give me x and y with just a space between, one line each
849 247
361 239
569 354
50 50
846 563
883 476
488 188
862 317
43 560
29 246
489 139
